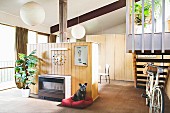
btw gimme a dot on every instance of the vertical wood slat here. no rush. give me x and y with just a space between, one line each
57 67
69 59
110 43
50 58
88 77
73 68
36 76
135 70
119 57
163 25
66 64
63 66
143 40
127 20
133 31
153 25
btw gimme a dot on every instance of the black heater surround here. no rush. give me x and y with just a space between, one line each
51 87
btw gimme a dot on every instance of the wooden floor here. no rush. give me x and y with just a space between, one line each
117 97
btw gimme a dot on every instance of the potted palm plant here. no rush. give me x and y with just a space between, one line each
25 70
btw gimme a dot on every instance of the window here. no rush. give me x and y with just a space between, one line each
42 38
7 57
7 43
34 38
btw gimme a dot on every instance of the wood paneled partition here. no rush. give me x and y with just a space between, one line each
79 74
112 51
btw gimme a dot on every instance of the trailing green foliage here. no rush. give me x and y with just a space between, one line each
147 11
26 69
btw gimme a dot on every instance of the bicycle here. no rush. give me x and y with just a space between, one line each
154 92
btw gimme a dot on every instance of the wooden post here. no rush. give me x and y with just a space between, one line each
63 20
153 29
127 21
163 25
134 70
143 40
133 31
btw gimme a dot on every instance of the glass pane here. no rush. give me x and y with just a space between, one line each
42 38
31 37
7 43
7 57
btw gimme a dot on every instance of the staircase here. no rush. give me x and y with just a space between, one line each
159 59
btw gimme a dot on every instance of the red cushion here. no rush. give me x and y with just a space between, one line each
77 104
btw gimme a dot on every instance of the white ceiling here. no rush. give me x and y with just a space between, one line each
75 8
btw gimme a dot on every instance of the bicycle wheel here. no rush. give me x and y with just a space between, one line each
157 101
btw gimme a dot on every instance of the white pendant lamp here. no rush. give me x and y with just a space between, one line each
78 31
32 13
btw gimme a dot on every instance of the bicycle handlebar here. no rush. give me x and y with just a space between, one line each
159 69
151 64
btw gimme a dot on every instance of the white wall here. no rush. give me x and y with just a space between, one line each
13 20
119 29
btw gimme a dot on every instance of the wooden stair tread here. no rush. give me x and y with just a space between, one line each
140 78
141 72
145 77
141 66
142 86
153 60
144 81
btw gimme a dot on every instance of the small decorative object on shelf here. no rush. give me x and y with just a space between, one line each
59 59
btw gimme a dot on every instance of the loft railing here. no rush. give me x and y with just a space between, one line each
152 42
7 71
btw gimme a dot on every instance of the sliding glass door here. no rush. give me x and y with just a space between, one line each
7 55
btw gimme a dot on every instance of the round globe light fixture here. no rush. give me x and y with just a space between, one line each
32 13
78 31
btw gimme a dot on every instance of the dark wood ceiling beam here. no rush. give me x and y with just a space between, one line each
93 14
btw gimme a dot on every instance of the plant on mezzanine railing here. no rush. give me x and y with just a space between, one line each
147 11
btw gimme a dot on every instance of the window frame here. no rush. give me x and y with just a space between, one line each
40 33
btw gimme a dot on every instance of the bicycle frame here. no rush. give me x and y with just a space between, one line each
151 86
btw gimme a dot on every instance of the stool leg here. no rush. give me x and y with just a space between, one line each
106 78
109 79
100 79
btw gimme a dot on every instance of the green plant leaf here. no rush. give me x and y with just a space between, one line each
26 68
18 75
19 62
33 52
22 56
147 10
